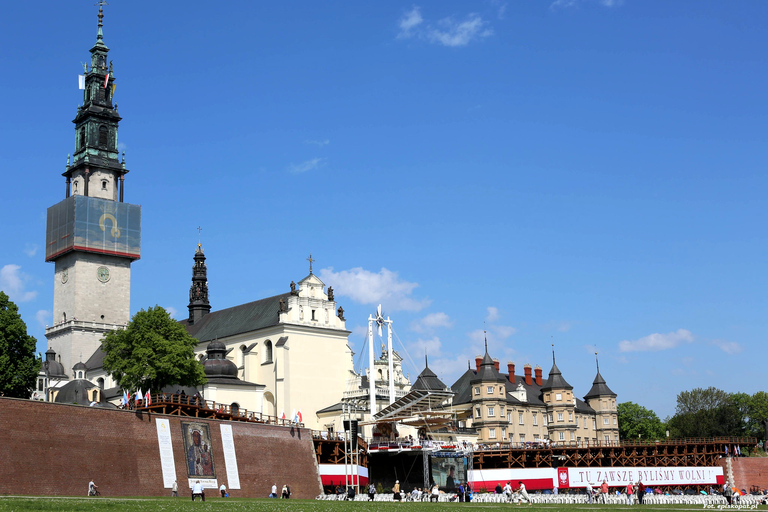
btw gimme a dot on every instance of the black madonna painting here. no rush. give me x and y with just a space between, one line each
197 446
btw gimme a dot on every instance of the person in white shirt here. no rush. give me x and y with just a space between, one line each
223 490
197 490
523 493
274 491
508 491
589 492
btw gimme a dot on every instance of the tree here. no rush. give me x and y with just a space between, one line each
152 352
18 365
637 422
706 413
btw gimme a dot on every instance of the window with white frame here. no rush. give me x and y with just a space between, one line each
570 417
594 424
572 436
503 433
477 412
489 390
522 438
585 422
535 419
509 417
477 390
559 416
491 433
561 436
614 421
607 439
559 397
491 412
520 418
605 421
550 417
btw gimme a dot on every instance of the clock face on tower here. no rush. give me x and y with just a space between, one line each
103 274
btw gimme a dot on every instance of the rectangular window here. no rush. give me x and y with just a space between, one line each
520 418
594 424
477 412
571 436
490 390
535 420
477 390
559 397
585 422
559 416
509 417
561 436
614 421
570 417
605 421
522 438
550 417
491 412
491 433
607 439
503 433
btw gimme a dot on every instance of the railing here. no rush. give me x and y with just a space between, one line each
546 444
211 409
82 324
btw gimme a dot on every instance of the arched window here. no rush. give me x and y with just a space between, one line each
100 382
267 351
103 132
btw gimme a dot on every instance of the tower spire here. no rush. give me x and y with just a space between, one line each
199 306
100 34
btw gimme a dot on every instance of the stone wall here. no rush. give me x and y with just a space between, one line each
55 449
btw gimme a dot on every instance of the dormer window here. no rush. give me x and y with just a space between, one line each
558 397
490 390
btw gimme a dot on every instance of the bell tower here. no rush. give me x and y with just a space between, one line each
92 236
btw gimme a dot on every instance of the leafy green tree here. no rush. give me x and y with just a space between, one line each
706 413
753 411
152 352
18 365
637 422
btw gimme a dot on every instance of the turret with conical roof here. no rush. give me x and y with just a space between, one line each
603 401
488 388
561 405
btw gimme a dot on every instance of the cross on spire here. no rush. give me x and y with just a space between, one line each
310 260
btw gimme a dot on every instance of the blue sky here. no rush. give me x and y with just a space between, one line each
588 173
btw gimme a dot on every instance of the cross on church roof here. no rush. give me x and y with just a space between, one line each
310 260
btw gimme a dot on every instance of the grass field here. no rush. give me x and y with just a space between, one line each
12 503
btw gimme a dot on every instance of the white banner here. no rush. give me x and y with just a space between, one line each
230 460
649 476
207 483
166 452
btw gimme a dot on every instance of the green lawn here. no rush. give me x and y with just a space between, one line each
266 505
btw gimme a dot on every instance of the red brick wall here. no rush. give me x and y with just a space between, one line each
749 471
55 449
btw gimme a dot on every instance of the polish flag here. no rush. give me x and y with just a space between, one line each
106 80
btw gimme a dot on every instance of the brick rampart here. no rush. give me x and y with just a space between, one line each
749 471
55 449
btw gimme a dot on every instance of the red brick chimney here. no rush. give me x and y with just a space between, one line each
496 364
478 362
528 377
511 370
539 380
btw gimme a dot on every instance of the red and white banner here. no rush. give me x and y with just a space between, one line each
650 476
334 474
547 478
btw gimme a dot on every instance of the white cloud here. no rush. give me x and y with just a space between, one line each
321 143
384 287
431 322
14 282
172 311
408 22
30 250
308 165
122 146
429 346
564 4
493 314
729 347
43 318
448 31
452 33
655 342
502 332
